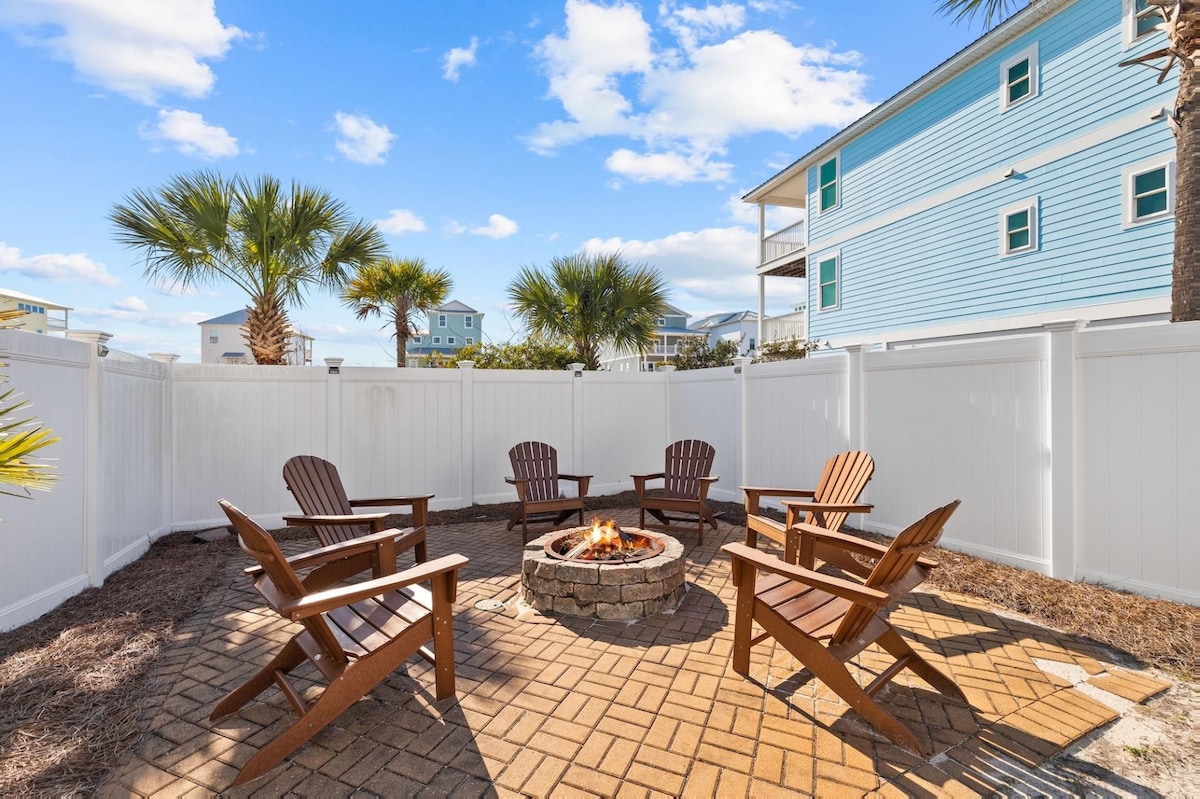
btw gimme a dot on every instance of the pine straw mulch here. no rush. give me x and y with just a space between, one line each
73 682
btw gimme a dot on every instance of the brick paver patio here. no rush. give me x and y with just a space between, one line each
574 707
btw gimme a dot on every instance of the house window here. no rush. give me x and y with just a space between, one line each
662 322
1019 228
213 337
437 339
751 343
470 341
827 186
467 323
1140 20
1019 78
415 339
441 320
827 288
1149 192
451 340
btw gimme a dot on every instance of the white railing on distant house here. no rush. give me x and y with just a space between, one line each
1032 432
56 321
784 242
784 327
663 349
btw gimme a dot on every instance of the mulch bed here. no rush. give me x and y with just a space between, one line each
72 682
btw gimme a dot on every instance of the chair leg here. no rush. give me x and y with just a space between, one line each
287 659
897 647
833 672
516 516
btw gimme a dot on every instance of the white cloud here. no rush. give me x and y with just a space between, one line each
670 167
706 269
131 303
453 227
117 313
457 58
361 139
498 227
55 266
190 134
139 48
684 104
400 221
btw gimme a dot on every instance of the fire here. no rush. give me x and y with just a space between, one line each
604 540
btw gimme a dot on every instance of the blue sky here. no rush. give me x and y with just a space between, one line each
481 136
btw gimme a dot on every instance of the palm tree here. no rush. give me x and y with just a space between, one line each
1181 22
272 243
591 301
397 289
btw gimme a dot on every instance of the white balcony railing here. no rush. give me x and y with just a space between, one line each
783 243
787 326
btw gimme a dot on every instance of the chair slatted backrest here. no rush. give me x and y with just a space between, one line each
318 490
279 581
687 461
901 556
538 463
842 482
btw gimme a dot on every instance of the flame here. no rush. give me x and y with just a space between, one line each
603 539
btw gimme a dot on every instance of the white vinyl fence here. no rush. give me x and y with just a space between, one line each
1074 451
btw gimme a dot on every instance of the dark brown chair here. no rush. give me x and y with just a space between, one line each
540 500
354 635
836 496
318 490
686 480
825 621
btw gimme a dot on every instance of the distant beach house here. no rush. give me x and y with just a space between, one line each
41 316
222 341
1028 178
740 326
671 330
451 327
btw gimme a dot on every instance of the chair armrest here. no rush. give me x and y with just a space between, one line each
755 493
344 519
330 598
850 543
703 484
651 476
345 549
388 501
834 507
515 480
761 561
575 477
639 481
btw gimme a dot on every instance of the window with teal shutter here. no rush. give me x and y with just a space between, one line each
828 184
827 290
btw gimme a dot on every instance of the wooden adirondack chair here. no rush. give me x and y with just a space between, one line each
540 500
315 484
835 497
355 635
686 480
825 621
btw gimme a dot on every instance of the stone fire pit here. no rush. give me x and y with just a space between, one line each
603 590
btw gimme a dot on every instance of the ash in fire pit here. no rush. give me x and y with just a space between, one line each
617 585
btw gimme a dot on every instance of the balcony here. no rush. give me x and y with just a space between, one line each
783 252
785 327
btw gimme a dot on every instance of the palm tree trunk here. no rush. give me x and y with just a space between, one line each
1185 278
267 331
401 343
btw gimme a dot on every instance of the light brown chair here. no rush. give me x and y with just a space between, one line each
318 490
835 497
825 621
354 635
539 497
686 480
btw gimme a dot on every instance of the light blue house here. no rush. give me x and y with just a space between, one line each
739 326
451 327
1028 178
670 331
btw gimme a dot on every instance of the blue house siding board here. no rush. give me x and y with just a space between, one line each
958 131
949 255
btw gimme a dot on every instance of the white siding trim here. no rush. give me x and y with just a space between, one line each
1127 124
1129 24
